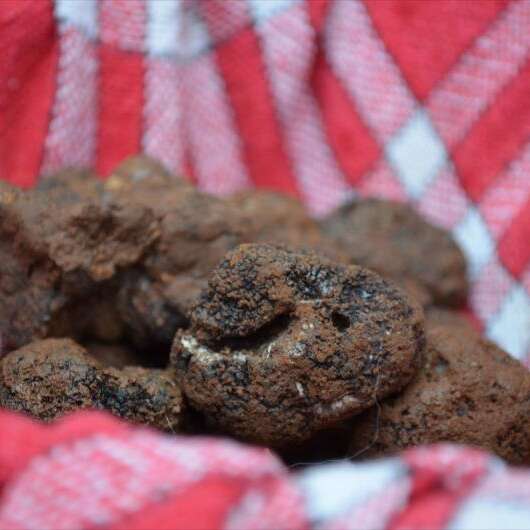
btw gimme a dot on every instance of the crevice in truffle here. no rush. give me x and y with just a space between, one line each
260 341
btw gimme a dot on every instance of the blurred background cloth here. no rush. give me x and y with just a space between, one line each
423 101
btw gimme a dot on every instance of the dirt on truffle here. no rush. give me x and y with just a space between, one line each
468 391
393 240
52 377
283 344
58 248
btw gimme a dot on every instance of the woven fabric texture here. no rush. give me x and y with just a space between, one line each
92 471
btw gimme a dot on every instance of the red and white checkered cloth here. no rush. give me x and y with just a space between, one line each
424 101
91 471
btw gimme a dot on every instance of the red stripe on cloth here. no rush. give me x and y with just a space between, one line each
455 23
433 512
514 247
187 161
121 99
24 438
441 479
318 10
206 504
27 84
496 138
350 139
241 65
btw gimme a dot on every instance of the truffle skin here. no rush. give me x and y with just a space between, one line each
283 344
56 248
468 391
52 377
279 219
393 240
196 231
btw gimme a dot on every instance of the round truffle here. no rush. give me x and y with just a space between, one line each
52 377
468 391
393 240
283 344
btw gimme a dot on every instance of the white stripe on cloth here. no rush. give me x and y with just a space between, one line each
501 500
164 136
71 136
175 29
344 489
164 19
288 50
491 514
215 145
81 14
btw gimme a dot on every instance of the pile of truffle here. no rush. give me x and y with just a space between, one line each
172 308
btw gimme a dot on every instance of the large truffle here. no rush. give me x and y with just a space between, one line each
283 344
52 377
393 240
468 391
58 247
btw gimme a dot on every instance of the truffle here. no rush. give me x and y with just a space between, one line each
58 249
52 377
283 344
468 391
393 240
